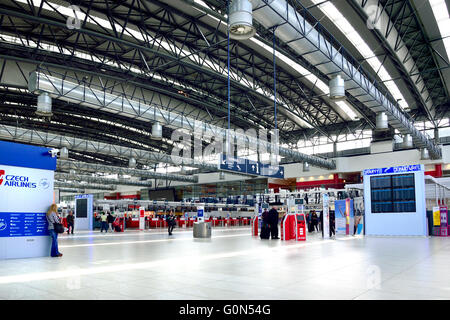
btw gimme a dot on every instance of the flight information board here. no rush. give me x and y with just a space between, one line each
393 193
81 208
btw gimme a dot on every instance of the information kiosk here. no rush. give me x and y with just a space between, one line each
293 223
394 200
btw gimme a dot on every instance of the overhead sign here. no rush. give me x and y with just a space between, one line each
251 167
400 169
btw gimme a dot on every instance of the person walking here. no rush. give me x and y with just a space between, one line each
104 220
70 222
314 221
273 221
332 223
110 219
170 222
52 218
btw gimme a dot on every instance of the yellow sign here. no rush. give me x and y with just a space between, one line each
436 217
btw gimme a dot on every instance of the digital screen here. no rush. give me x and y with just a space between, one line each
300 218
393 193
265 206
81 208
298 201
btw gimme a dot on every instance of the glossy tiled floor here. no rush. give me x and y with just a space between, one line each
231 265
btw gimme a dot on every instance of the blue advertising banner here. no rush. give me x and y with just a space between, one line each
400 169
23 224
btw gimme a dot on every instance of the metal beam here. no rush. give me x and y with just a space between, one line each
101 180
78 92
332 58
84 186
93 167
72 143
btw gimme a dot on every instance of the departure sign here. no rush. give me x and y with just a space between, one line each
400 169
246 166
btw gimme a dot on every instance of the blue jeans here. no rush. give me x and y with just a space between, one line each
54 251
104 227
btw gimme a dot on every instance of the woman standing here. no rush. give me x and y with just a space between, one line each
52 218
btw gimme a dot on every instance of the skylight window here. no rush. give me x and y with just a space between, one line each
440 11
354 37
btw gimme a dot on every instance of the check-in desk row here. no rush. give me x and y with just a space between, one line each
182 222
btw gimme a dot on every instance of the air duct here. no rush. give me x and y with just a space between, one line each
83 186
337 88
407 142
102 180
156 131
132 163
64 153
94 167
79 93
305 40
305 167
241 20
382 121
44 105
424 155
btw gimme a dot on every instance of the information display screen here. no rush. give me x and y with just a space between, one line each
300 218
393 193
81 208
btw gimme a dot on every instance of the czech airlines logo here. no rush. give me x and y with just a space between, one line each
3 224
11 180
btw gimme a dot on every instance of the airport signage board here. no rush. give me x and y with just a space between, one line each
251 167
399 169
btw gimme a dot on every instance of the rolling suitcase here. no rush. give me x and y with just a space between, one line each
265 232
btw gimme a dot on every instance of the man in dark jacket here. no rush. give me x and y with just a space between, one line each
70 222
273 221
110 219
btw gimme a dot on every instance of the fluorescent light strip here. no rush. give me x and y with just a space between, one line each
194 259
440 11
353 36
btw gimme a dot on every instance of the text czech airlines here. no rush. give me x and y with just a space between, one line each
18 181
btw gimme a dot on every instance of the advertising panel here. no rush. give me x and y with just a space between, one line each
26 193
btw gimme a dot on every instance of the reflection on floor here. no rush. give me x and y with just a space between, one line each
231 265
